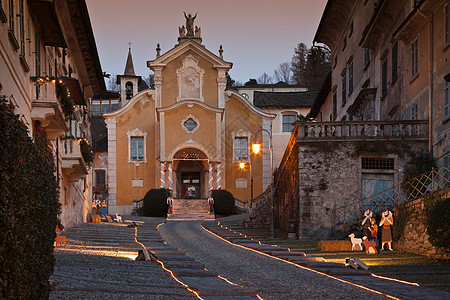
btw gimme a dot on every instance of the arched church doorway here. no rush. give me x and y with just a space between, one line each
191 174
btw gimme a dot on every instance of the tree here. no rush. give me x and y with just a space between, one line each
111 83
230 81
318 64
298 63
251 81
264 79
283 73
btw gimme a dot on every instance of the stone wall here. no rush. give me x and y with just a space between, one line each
330 173
415 237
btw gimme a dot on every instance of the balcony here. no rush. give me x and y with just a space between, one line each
73 164
47 109
412 130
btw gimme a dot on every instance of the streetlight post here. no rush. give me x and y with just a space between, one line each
256 148
242 166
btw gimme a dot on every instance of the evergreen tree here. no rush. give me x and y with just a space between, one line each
298 63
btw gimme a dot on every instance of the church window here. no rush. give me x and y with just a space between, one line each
96 107
129 90
190 124
289 122
137 148
240 148
366 57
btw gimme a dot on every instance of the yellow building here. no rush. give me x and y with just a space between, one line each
187 134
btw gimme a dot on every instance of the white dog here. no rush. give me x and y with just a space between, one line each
119 218
355 241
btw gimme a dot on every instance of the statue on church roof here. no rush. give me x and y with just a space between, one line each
181 30
198 31
190 24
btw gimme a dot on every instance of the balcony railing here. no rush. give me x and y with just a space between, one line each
363 130
47 109
73 163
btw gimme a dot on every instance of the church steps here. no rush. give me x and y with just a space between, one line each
190 209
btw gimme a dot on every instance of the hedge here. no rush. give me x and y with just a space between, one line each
438 225
28 208
155 203
223 202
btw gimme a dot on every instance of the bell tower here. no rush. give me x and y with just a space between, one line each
128 81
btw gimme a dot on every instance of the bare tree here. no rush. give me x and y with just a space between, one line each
264 79
283 73
111 83
298 63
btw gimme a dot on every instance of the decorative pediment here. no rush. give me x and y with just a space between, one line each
136 132
190 80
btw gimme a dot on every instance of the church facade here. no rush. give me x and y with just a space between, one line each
188 134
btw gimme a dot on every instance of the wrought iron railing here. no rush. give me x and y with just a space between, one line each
351 209
363 130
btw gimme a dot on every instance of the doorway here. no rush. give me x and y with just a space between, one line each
190 185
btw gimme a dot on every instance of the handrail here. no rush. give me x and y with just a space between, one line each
363 130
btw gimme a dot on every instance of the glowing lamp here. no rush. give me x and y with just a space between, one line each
242 165
256 148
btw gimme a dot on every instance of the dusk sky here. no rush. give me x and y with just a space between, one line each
257 35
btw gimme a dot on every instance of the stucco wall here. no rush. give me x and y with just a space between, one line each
141 116
239 117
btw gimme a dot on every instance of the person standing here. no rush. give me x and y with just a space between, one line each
386 235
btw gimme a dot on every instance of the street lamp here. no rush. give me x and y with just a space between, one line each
256 149
242 166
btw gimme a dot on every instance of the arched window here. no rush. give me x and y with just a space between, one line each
129 90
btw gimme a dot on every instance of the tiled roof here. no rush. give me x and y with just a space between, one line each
280 84
283 99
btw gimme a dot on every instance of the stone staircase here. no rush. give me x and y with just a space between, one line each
190 209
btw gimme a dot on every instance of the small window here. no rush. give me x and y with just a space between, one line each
344 44
240 148
190 124
366 57
289 122
415 112
351 30
96 107
394 60
415 58
384 77
100 178
137 148
350 77
370 163
129 90
245 96
334 105
114 105
344 88
447 100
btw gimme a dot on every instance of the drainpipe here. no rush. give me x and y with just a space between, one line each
430 80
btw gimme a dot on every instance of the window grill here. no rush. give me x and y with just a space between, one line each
370 163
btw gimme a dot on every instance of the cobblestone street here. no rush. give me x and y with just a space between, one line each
272 279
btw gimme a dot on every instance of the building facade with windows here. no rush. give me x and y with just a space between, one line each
49 70
389 62
385 100
188 134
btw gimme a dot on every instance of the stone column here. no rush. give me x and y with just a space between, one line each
170 175
112 165
222 83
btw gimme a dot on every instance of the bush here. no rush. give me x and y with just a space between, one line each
419 164
438 225
223 202
155 203
28 208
